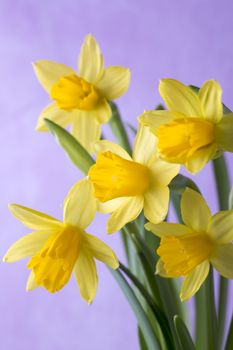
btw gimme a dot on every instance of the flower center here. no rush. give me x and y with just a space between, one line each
179 139
181 254
53 264
113 176
72 92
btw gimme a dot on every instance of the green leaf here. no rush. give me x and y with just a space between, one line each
142 342
157 312
229 342
160 107
75 151
183 334
143 322
180 182
159 287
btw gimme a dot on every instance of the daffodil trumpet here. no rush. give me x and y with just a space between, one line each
125 185
56 248
81 98
194 129
187 250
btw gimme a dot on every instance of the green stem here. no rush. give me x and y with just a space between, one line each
223 189
118 129
143 321
201 334
222 181
211 313
160 316
138 284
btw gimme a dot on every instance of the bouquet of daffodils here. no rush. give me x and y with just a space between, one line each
167 263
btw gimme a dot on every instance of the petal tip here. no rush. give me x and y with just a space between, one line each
148 226
41 127
5 258
116 265
183 297
11 207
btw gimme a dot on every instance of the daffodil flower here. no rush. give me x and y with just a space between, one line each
188 250
124 185
81 98
58 248
193 130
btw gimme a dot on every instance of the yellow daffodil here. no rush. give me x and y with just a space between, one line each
125 185
81 98
188 250
193 130
58 248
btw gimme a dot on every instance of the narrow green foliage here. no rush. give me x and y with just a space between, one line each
75 151
229 342
142 341
180 182
143 322
183 334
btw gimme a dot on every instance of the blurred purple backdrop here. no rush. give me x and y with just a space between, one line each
187 40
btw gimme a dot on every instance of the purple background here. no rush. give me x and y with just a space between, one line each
187 40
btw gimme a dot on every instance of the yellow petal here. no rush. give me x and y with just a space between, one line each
102 112
220 226
167 229
90 60
156 204
162 172
80 204
127 212
210 95
31 283
200 158
144 145
154 119
195 212
110 206
224 132
58 116
180 98
194 280
160 270
114 82
33 219
222 260
86 276
87 131
48 72
100 251
104 146
27 246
